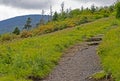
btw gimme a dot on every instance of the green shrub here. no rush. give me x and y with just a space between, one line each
105 15
98 16
16 31
63 26
82 21
118 10
8 37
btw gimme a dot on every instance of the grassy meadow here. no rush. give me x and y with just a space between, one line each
37 56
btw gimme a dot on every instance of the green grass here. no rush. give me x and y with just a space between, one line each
109 51
36 56
98 76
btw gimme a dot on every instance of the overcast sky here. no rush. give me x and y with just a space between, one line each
12 8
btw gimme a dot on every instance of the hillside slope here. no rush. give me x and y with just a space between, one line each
19 21
36 56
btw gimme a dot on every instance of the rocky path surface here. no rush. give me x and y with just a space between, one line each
78 63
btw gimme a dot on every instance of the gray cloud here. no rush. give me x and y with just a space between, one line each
45 4
100 2
28 4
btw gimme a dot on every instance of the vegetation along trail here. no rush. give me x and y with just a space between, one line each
35 57
78 63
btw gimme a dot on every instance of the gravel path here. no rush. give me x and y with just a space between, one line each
78 63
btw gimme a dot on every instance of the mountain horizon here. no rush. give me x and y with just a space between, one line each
8 25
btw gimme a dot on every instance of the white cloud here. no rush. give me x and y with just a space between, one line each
8 12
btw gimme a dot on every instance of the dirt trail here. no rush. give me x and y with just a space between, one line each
78 63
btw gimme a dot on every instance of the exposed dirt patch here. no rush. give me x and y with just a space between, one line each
77 63
94 39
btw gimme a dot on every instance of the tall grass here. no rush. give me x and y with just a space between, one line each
109 51
36 56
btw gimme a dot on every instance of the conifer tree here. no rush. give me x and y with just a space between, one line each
62 7
55 16
118 10
16 31
93 8
28 25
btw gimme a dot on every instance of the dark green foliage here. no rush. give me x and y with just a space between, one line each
111 8
82 21
63 16
105 15
98 16
118 10
16 31
55 16
82 8
28 25
60 26
93 9
62 7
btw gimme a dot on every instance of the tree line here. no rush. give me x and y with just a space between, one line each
69 13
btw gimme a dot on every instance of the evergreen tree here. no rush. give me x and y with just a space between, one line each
111 8
93 8
55 16
28 25
82 8
62 7
118 10
16 31
42 22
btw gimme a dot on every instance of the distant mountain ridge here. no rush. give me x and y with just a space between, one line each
9 25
